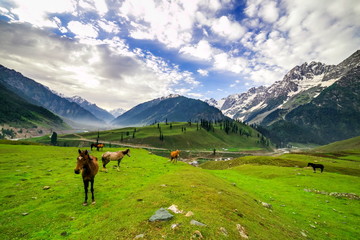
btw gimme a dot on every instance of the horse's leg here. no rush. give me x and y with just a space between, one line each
86 185
314 169
92 191
118 168
322 169
105 161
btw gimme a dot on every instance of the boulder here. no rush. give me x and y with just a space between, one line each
161 215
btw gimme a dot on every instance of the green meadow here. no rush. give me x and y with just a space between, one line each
222 195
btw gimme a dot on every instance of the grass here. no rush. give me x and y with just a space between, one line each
193 138
125 200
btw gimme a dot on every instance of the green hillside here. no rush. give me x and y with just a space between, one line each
125 200
182 136
345 145
17 112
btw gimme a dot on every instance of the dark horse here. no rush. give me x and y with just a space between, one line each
314 166
97 145
89 167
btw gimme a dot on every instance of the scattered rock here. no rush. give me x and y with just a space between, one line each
234 184
224 231
34 198
24 213
46 187
197 223
303 234
174 208
242 231
197 234
313 226
139 236
267 205
189 214
175 226
161 215
163 185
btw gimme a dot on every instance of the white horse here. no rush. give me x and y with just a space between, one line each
114 156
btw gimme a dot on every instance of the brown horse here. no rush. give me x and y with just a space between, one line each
97 145
89 167
174 155
114 156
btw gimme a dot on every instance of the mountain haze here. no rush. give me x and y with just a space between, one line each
92 108
40 95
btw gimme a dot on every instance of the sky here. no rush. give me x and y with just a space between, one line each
119 54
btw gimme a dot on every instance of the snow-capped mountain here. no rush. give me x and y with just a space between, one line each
93 108
299 86
117 112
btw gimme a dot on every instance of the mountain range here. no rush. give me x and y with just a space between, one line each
314 102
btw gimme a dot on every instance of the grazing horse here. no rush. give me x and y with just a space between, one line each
89 167
114 156
174 155
97 145
314 166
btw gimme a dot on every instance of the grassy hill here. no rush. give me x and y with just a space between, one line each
125 200
340 146
17 112
174 136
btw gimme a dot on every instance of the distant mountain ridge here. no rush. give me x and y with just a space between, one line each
93 108
40 95
283 104
173 108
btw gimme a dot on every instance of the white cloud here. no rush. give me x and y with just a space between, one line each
82 30
269 12
202 50
36 11
203 72
105 72
227 29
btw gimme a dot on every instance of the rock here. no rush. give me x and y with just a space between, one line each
197 234
242 231
24 213
267 205
175 226
197 223
139 236
161 215
46 187
224 231
303 234
174 208
189 214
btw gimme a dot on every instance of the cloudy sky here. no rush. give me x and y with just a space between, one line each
121 53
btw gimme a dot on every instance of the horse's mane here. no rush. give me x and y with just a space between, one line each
125 151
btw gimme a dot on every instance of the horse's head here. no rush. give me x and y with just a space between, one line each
127 152
81 160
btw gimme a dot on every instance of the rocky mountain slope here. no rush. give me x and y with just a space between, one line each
93 108
307 92
173 108
40 95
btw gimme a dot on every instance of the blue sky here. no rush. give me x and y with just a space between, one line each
118 54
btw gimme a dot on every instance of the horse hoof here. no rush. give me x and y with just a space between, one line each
85 204
93 203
